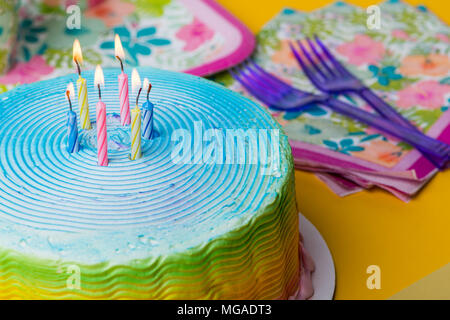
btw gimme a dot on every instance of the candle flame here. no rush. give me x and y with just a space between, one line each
70 92
77 54
118 49
146 84
99 79
135 81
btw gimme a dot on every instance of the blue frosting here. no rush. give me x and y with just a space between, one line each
60 205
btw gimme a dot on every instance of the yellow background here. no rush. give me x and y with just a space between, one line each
434 286
407 241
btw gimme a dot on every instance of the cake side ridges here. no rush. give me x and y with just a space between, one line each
273 237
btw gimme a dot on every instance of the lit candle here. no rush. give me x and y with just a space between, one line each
102 140
136 118
72 127
147 113
85 120
123 84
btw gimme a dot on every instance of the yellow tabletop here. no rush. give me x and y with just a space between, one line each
407 241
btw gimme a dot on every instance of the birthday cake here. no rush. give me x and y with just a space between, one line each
184 221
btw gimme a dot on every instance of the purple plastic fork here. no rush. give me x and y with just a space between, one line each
278 95
330 76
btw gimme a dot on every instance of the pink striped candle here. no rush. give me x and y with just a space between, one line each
102 141
125 118
102 137
123 84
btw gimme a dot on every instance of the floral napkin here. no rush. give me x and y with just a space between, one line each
182 35
8 31
406 62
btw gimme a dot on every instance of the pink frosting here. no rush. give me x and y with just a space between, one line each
305 287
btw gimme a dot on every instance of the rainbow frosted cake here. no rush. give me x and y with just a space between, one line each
153 228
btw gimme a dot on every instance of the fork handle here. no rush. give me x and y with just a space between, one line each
413 137
384 108
388 112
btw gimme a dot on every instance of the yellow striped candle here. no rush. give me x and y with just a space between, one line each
135 133
85 120
136 118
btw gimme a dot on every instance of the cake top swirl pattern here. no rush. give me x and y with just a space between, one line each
63 205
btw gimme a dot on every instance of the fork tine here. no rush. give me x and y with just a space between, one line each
332 59
319 56
236 74
266 78
306 70
267 81
271 78
239 76
260 94
255 81
311 60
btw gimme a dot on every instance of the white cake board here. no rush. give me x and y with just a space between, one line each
324 276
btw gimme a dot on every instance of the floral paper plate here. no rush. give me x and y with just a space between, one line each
195 36
406 62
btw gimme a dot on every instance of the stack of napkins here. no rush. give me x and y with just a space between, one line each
405 61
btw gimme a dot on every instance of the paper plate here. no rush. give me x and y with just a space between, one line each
324 276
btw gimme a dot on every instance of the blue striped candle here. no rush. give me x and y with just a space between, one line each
73 144
147 120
